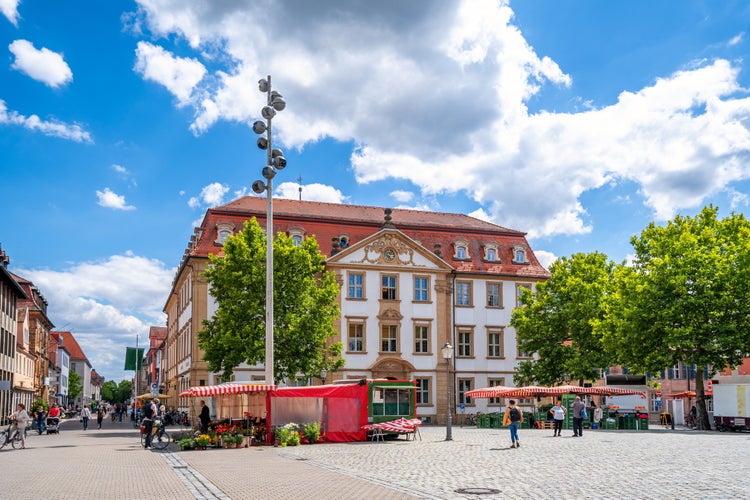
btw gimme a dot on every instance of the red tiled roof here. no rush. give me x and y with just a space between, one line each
157 335
330 220
71 345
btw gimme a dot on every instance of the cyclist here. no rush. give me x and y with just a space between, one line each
20 418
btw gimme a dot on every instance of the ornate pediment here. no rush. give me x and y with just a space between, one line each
390 314
389 249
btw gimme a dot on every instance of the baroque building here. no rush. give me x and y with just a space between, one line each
411 281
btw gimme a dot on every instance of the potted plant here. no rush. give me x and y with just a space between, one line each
311 431
187 443
203 441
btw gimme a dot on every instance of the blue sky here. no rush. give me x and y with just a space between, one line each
578 122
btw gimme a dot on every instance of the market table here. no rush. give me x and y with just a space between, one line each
409 427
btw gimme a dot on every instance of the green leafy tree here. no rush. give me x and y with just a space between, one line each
557 321
305 306
109 391
124 391
74 385
686 298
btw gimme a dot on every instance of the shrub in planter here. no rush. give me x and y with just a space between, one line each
287 435
311 431
187 444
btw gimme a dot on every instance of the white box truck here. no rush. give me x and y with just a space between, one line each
731 406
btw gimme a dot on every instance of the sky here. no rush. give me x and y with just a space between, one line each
577 122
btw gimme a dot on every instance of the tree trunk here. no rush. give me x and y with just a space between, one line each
703 421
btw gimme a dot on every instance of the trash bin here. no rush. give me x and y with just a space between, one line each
495 420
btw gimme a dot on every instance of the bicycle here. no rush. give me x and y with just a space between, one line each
159 437
14 440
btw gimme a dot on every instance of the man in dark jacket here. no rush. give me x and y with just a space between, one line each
205 417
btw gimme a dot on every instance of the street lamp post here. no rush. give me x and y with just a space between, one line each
447 351
274 161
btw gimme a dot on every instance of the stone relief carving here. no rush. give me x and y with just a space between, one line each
375 252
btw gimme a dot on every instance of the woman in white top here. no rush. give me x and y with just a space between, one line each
558 413
21 418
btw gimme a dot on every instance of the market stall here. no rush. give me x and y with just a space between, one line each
233 402
344 408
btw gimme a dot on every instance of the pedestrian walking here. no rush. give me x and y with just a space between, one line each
100 411
205 417
149 414
20 419
85 416
558 414
39 414
512 419
578 408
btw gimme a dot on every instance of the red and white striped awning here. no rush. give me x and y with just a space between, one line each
531 391
224 389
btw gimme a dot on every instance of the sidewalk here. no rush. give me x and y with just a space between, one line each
112 464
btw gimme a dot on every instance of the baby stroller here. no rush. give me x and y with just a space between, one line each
53 425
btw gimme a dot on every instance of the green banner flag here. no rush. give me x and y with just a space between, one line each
133 357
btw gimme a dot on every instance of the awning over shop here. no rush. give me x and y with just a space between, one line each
224 389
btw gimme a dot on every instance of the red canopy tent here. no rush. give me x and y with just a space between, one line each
253 404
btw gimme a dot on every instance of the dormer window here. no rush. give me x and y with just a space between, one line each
461 250
519 255
223 231
490 253
297 234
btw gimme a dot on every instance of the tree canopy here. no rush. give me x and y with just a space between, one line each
557 321
305 306
74 385
685 298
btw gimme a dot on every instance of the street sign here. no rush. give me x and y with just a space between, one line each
154 386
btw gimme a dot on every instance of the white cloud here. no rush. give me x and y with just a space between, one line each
51 128
106 304
310 192
736 40
545 258
119 169
42 65
179 75
9 8
438 95
402 196
211 196
110 199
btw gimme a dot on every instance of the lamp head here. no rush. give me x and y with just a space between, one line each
263 85
447 350
278 104
268 172
262 143
279 162
268 112
259 187
276 152
259 127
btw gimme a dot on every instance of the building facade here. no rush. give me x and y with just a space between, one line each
79 364
411 281
33 333
10 294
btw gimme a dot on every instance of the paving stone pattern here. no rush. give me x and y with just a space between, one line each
477 464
